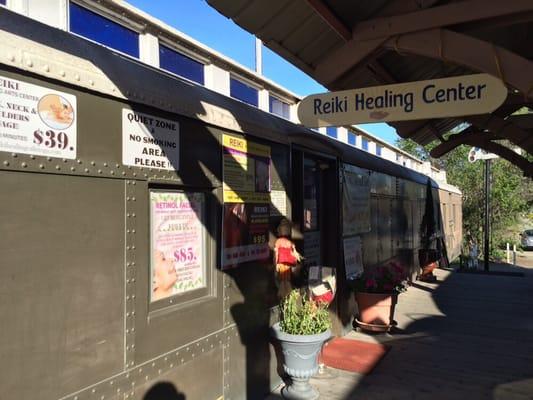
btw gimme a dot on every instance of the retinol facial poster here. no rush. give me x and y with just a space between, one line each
177 243
246 173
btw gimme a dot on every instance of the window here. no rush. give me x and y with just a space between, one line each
3 2
352 137
331 131
102 30
378 150
243 92
181 65
278 107
364 144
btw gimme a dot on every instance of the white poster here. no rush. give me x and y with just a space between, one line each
36 120
149 141
278 203
353 257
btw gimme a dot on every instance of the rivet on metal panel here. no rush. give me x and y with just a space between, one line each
58 167
75 397
146 175
127 247
79 161
46 68
127 231
128 215
99 171
146 378
11 57
182 360
133 263
127 330
91 82
49 158
128 376
133 247
133 198
117 165
127 347
102 397
132 346
134 183
133 215
105 164
140 370
123 173
72 169
159 371
127 297
29 63
65 160
171 365
94 390
77 77
93 163
24 165
32 157
6 163
15 155
134 174
62 73
87 170
153 364
166 358
41 166
132 296
133 231
111 383
112 172
127 198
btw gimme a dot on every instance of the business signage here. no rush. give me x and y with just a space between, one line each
436 98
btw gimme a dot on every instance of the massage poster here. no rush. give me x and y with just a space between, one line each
36 120
246 175
177 243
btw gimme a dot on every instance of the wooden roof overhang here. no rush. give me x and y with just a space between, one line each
346 44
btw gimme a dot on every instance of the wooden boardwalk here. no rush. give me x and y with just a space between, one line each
465 337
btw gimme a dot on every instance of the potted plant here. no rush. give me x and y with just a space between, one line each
376 293
304 325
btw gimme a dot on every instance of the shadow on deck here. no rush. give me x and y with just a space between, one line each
467 336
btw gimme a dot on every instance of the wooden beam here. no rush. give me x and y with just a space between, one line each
439 16
483 140
331 19
478 55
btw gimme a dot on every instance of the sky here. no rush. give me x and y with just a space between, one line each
203 23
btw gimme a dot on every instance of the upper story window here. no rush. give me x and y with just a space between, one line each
378 150
278 107
243 92
332 131
3 2
181 65
102 30
364 144
352 137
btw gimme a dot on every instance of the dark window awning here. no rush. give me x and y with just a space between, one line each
345 44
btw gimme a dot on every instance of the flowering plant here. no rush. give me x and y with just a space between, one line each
389 278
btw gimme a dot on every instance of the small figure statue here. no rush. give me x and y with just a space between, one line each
286 258
473 253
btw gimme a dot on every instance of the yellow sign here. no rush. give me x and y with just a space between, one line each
436 98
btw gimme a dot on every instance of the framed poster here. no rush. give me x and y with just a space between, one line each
177 243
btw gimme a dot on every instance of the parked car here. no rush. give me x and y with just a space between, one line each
527 239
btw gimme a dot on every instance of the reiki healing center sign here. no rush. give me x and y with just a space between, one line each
436 98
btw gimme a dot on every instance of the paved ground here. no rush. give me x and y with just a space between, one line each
467 336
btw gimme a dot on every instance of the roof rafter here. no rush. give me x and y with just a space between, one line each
449 46
331 19
483 140
440 16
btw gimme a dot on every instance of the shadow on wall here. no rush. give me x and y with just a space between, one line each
163 391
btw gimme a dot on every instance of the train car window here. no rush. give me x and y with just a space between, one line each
278 107
352 137
243 92
178 249
181 65
364 144
379 150
102 30
331 131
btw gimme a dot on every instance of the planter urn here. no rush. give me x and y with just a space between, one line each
300 362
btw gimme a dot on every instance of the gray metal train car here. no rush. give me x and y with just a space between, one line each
105 164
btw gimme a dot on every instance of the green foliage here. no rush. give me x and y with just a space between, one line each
511 195
301 316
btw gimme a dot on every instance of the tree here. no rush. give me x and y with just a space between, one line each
511 193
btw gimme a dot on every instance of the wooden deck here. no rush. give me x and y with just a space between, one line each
465 337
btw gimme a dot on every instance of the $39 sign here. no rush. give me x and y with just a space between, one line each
51 139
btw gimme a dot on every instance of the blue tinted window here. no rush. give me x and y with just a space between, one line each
181 65
102 30
352 138
243 92
278 107
331 131
3 2
378 149
365 144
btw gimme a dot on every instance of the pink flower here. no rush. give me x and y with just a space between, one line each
370 283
